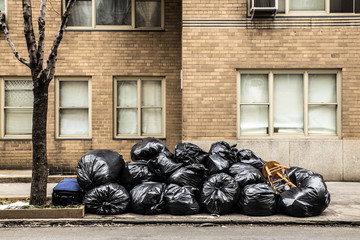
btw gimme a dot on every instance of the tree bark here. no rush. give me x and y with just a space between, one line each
40 165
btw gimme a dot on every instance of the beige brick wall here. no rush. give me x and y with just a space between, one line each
214 9
101 55
213 52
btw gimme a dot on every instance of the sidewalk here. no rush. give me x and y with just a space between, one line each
343 209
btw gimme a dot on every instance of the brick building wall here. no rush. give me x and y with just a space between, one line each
219 38
100 55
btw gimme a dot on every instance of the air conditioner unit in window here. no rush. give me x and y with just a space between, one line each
263 7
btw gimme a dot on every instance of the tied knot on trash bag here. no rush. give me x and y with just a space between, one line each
224 150
110 198
248 157
219 194
148 198
188 153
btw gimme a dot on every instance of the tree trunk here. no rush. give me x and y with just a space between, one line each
41 79
40 166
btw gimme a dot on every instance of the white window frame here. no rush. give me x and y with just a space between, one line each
118 27
58 108
2 104
270 103
139 80
288 12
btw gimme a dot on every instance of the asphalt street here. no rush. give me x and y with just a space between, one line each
182 232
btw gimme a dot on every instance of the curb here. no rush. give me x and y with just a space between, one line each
174 221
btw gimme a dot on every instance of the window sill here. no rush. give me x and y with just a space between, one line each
75 29
16 139
289 137
73 139
138 137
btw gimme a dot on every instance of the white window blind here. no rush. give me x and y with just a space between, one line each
2 5
281 103
322 103
139 115
127 114
255 107
18 107
288 103
307 5
73 108
321 7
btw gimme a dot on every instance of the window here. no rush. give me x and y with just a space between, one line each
301 7
139 107
278 103
117 14
17 107
73 108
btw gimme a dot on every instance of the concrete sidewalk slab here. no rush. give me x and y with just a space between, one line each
24 176
13 190
344 209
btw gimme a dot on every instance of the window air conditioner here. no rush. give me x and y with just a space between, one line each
263 7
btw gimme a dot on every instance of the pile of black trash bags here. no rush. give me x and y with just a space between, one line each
221 181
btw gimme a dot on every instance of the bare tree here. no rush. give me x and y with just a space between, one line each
41 78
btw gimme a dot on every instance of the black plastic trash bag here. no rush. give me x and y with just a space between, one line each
181 200
257 200
297 175
163 166
191 175
310 198
224 150
99 167
248 157
107 199
219 194
189 153
245 174
135 173
149 148
148 198
216 164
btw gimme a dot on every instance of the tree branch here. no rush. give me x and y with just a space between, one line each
51 61
29 32
11 44
41 23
